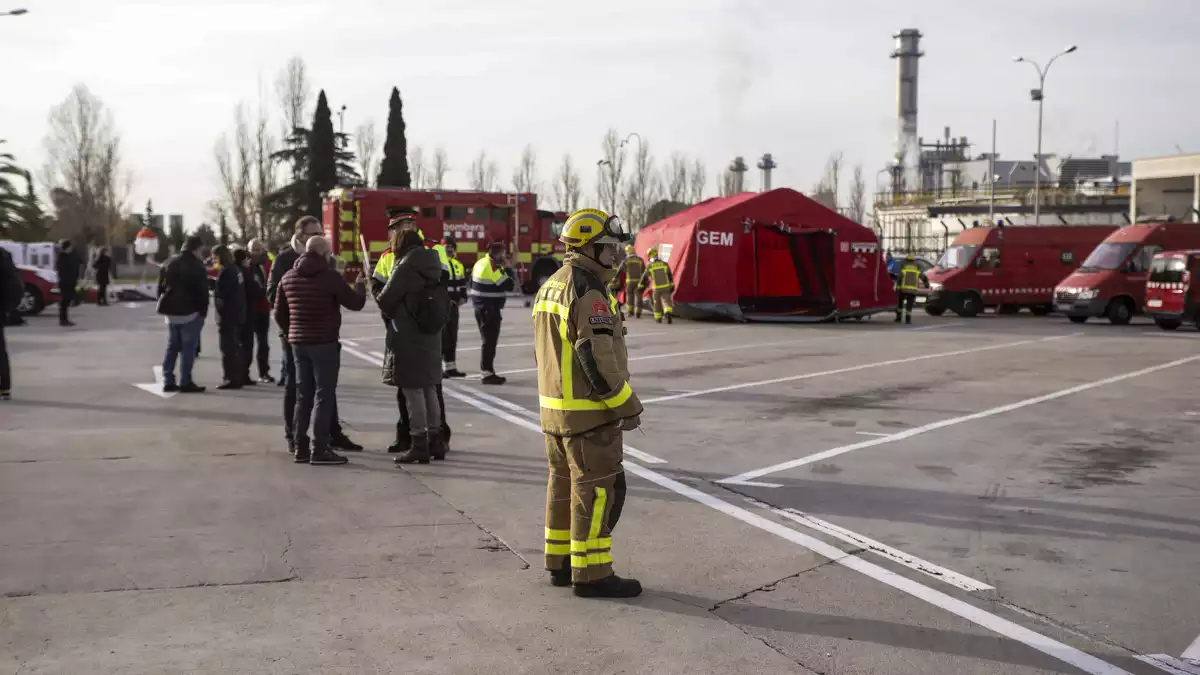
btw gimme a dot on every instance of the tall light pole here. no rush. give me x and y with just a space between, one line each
1038 95
14 12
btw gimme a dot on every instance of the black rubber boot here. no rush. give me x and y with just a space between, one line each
437 445
561 577
418 453
342 442
610 587
668 319
403 442
301 454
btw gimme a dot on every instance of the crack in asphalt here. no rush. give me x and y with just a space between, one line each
125 589
283 556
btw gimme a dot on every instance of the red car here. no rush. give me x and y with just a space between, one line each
41 289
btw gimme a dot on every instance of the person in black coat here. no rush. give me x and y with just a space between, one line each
256 297
68 265
103 266
230 299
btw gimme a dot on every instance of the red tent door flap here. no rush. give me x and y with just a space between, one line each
789 273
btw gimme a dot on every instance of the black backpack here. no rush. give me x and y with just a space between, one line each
11 286
430 307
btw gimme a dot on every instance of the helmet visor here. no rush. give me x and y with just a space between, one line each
614 232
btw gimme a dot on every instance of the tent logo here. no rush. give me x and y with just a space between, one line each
714 238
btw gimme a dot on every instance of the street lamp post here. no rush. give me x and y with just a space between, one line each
1038 95
14 12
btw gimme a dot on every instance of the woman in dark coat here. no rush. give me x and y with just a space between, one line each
416 363
103 268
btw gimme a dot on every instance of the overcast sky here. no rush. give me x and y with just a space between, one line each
714 78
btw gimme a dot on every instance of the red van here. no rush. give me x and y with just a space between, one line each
1009 267
1112 281
1171 298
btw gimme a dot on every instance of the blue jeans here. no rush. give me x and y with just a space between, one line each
183 339
316 373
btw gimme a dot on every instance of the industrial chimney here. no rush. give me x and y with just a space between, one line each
766 164
738 168
908 149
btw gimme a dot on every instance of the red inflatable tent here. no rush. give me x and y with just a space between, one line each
771 256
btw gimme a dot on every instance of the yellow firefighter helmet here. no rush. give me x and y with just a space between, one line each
592 226
651 252
629 250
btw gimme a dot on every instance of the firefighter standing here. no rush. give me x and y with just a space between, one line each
488 289
661 282
633 267
457 288
586 404
908 282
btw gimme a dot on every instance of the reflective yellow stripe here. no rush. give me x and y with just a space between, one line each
346 235
579 562
377 246
558 535
601 543
570 404
598 558
598 513
346 216
618 399
558 549
524 257
348 256
468 247
579 546
553 308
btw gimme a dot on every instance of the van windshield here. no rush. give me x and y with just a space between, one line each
1168 270
1107 256
957 257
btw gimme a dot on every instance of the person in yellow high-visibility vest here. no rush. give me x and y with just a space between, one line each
633 267
488 288
456 287
661 282
908 282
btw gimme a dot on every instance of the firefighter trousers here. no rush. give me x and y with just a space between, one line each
584 497
904 305
662 302
633 299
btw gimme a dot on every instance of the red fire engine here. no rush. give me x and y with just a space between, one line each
474 219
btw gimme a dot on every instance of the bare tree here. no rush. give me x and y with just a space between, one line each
567 186
234 169
483 173
644 187
698 178
827 190
612 167
437 171
366 144
857 208
675 178
294 91
83 152
525 175
265 181
417 171
727 183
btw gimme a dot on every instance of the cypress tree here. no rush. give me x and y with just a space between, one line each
322 164
393 170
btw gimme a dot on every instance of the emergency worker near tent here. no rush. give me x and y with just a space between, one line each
908 282
586 405
661 282
489 287
633 268
457 289
399 222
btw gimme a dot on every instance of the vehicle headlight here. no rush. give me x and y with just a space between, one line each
1088 293
933 286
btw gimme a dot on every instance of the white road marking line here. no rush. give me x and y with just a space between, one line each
156 388
350 343
872 433
940 325
1169 664
1185 336
851 369
895 555
1063 652
1192 653
378 355
909 433
711 350
503 345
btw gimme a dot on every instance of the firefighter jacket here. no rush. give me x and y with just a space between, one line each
658 276
579 343
489 284
909 279
632 268
456 286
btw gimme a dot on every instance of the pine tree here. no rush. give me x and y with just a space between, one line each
393 170
289 202
175 236
322 160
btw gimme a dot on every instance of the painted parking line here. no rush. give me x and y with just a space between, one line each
861 366
1170 664
1180 336
872 433
936 327
878 548
997 624
749 477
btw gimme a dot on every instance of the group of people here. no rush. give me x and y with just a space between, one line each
635 276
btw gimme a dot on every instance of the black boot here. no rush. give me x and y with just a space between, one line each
324 457
418 453
897 319
610 587
561 577
403 441
437 445
668 319
302 454
342 442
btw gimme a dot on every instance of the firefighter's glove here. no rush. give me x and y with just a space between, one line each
631 423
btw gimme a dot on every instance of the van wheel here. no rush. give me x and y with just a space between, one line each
1168 324
1078 319
970 306
1120 311
934 311
1008 309
1039 310
31 302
